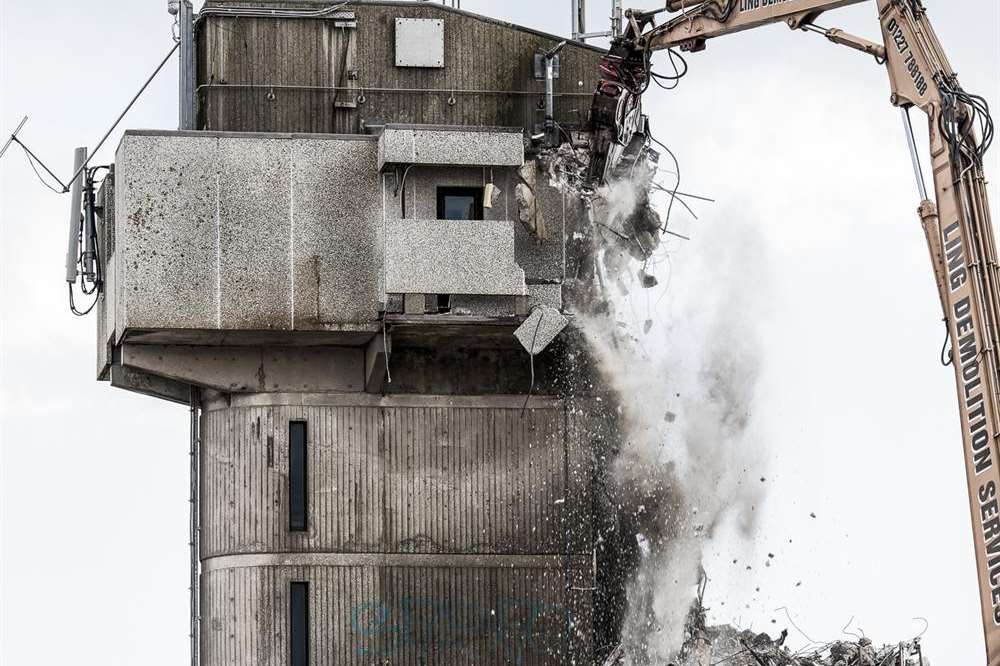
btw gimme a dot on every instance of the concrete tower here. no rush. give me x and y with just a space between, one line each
330 270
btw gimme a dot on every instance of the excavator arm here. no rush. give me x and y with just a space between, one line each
956 221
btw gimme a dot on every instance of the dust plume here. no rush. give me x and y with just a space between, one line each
686 384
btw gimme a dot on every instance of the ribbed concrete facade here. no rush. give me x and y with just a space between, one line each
441 530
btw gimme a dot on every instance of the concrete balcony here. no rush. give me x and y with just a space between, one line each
452 257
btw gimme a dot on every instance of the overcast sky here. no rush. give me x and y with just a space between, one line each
787 131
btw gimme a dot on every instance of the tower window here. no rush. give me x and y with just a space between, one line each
297 486
299 624
460 203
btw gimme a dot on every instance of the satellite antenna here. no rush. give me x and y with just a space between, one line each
75 215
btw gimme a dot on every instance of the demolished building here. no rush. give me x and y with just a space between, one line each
358 270
363 269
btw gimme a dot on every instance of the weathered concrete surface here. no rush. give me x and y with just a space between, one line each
452 257
253 369
138 381
242 232
255 217
338 215
446 146
167 232
464 520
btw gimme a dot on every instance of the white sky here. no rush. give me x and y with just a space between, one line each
784 129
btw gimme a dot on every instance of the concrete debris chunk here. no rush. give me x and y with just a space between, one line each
540 329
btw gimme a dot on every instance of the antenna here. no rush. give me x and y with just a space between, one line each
13 136
75 215
579 19
579 11
185 28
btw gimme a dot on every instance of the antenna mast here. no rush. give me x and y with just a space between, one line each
578 9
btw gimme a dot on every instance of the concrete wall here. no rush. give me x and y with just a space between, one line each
245 232
441 530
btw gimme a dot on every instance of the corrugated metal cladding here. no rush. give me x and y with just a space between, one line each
396 480
322 75
398 615
437 535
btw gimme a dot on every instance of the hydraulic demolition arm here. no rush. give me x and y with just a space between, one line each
956 223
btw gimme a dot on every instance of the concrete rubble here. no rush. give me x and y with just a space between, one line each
726 645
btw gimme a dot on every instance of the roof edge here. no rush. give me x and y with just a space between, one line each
289 4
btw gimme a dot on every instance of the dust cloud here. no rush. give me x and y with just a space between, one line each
686 376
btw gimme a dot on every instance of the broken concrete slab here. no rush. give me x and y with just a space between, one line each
540 329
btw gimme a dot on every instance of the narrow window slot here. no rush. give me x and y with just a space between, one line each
299 624
297 485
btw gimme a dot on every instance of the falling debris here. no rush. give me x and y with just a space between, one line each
540 329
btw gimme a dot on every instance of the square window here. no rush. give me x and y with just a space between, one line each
460 203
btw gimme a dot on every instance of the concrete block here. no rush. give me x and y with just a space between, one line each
452 257
415 145
246 233
166 242
483 306
540 329
549 295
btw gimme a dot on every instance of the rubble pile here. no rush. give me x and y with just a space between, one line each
726 645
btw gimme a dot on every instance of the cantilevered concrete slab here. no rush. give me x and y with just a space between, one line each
446 146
